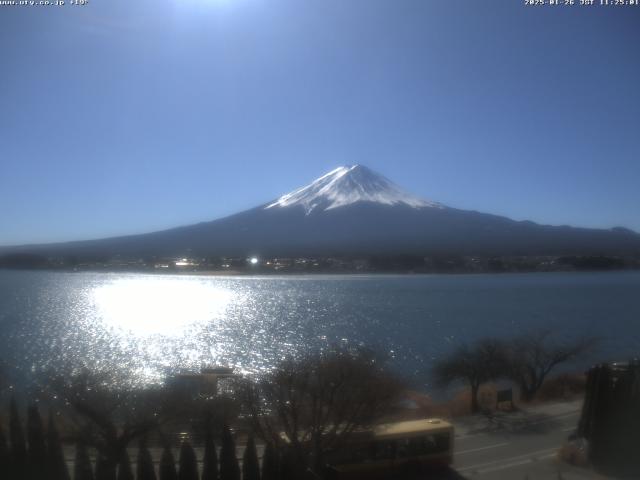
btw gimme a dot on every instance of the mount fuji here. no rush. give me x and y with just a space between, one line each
353 210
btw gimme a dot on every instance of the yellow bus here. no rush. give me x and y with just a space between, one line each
397 448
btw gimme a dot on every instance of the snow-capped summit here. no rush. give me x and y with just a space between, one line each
346 185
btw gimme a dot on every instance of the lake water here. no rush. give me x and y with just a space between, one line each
147 325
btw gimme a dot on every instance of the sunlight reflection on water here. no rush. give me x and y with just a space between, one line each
164 306
160 323
143 327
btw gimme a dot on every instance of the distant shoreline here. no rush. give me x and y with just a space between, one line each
266 274
408 264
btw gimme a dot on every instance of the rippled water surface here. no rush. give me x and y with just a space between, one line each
147 325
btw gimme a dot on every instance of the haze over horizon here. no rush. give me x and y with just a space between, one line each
121 119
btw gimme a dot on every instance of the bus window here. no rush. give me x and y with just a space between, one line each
355 453
423 445
442 442
417 446
385 450
404 448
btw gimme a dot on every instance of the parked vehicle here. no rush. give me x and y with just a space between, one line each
394 448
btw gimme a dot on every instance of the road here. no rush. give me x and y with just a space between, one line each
519 445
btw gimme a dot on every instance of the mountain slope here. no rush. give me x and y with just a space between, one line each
353 210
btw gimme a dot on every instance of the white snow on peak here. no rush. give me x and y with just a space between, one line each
347 185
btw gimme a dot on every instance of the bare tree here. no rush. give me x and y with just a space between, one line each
107 417
533 356
318 401
474 364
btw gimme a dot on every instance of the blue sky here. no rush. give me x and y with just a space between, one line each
123 117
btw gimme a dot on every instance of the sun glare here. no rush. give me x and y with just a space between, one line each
159 306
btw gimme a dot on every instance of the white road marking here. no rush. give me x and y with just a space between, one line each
481 448
471 435
527 457
514 464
